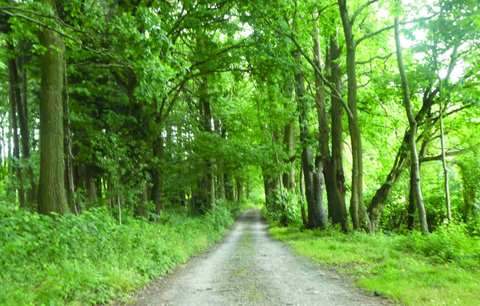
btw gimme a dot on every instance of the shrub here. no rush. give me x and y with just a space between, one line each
90 258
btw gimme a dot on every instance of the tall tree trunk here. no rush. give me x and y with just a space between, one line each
157 187
239 190
32 191
52 195
90 186
15 100
302 195
220 174
316 211
412 206
69 182
141 209
229 187
289 141
339 214
445 169
336 204
207 126
415 168
357 207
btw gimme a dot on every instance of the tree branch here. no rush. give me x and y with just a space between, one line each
439 157
360 9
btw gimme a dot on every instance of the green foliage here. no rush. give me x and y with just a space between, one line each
448 244
288 207
90 259
440 269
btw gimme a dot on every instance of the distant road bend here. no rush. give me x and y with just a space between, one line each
248 267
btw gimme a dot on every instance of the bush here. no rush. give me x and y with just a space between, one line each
90 258
449 243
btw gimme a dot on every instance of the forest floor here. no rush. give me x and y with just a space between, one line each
249 267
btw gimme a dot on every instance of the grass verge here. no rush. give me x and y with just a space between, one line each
91 259
441 269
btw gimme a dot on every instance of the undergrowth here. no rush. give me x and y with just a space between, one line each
91 259
440 269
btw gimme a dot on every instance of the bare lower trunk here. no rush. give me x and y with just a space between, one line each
302 203
157 187
141 209
289 141
415 167
90 186
412 206
230 195
52 195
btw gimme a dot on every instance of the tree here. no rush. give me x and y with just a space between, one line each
52 196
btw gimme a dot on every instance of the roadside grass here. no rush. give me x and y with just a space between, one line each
91 259
441 269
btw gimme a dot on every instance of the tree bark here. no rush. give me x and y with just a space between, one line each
157 187
289 140
69 181
220 174
239 190
32 191
207 126
336 205
15 101
141 209
52 196
357 207
445 169
316 211
417 191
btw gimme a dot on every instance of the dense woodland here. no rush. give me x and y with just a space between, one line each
361 115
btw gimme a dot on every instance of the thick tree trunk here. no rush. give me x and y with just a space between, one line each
15 101
415 167
316 211
52 195
358 211
336 204
91 187
339 213
157 187
141 207
289 140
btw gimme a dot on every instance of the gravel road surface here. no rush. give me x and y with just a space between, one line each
248 267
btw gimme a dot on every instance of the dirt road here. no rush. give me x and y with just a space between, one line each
248 267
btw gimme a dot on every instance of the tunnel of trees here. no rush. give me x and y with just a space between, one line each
362 113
